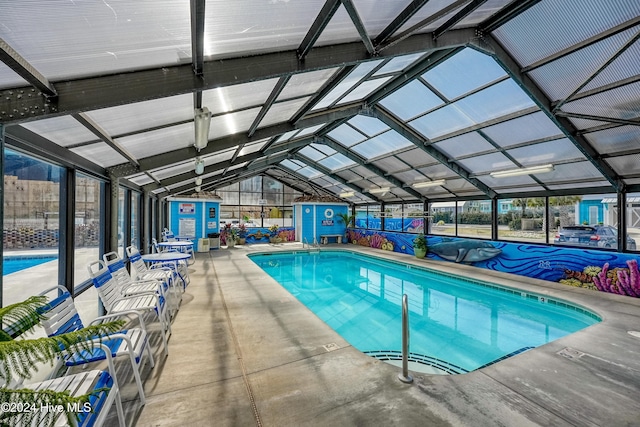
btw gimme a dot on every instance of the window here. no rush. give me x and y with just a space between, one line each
31 226
443 218
474 219
633 221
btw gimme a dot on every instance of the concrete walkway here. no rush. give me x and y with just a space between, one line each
244 352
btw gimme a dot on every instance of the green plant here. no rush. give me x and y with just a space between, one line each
18 358
346 218
420 242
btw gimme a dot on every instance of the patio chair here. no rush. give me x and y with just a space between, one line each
115 302
167 272
102 383
61 317
128 285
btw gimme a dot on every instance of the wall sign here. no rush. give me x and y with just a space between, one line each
327 222
187 208
212 212
187 227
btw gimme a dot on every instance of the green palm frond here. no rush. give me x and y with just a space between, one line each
18 357
21 316
31 407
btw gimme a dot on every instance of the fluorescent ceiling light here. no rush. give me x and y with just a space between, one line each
199 166
523 171
379 190
425 184
198 181
202 122
347 194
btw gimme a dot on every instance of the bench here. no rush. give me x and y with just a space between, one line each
324 238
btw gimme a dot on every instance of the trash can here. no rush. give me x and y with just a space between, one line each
214 240
203 245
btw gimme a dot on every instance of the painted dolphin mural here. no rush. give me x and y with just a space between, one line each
465 250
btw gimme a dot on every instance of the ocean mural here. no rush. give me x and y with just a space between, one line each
604 271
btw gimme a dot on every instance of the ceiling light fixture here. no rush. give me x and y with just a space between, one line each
198 188
379 190
347 194
523 171
199 166
424 184
198 181
202 121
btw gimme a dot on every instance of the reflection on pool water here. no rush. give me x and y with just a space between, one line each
456 324
11 264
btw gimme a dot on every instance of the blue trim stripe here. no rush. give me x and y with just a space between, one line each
101 278
116 266
88 419
94 355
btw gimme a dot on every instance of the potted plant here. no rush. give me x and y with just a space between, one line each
420 246
232 237
229 238
273 233
19 357
242 234
348 222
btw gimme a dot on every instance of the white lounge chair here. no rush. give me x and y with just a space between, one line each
164 271
61 317
115 302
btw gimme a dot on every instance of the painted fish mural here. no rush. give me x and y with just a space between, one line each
465 251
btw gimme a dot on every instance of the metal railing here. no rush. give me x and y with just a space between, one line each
404 376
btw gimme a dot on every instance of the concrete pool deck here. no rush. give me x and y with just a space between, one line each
245 352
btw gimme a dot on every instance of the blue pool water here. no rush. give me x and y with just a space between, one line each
13 264
456 324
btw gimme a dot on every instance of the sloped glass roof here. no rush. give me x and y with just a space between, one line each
334 99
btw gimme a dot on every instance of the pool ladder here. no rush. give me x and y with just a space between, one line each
309 246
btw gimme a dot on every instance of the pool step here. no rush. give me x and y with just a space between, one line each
421 359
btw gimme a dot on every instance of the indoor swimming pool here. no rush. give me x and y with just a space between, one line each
456 324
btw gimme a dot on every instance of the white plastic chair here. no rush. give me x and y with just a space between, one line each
115 302
81 384
167 272
61 317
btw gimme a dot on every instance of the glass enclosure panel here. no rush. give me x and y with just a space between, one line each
443 218
361 216
135 219
250 215
370 126
463 73
30 237
87 230
523 220
121 221
374 220
411 100
249 198
474 219
393 217
413 221
589 221
633 221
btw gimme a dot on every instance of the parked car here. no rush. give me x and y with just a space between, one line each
601 236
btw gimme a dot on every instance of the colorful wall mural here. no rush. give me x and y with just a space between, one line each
262 235
605 271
